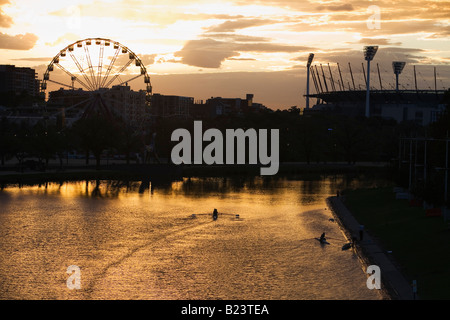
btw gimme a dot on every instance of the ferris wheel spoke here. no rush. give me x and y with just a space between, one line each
115 106
82 72
119 78
111 102
73 106
119 72
116 53
91 69
72 76
61 84
111 99
106 96
131 79
100 64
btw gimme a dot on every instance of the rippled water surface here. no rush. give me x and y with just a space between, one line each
153 241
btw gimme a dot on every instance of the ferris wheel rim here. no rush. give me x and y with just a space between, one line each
119 45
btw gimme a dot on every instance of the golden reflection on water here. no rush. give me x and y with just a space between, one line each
187 186
139 240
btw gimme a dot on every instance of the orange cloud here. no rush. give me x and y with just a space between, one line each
5 21
210 53
17 42
340 7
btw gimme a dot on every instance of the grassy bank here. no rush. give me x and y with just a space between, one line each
420 244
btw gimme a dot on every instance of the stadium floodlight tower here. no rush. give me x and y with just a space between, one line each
398 68
369 54
308 66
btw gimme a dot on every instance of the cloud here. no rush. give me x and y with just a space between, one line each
409 27
291 4
242 59
444 32
17 42
5 21
206 53
233 25
122 59
160 13
236 37
376 41
37 59
41 68
210 53
147 59
64 40
341 7
384 55
271 47
388 28
310 6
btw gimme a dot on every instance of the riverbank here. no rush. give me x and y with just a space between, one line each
10 174
416 243
394 285
419 242
120 172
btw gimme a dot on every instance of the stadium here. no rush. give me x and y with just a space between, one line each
406 93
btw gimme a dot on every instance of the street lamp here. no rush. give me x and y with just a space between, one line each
308 66
398 68
369 53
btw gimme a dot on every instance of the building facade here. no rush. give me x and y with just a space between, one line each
120 101
171 106
19 80
218 106
128 104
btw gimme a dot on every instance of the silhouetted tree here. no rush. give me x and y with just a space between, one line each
7 132
351 137
129 140
96 134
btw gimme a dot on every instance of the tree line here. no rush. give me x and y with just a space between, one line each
46 140
310 138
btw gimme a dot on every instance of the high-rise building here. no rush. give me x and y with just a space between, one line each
19 80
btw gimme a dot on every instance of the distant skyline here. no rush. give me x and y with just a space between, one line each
202 48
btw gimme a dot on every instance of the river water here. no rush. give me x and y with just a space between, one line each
158 241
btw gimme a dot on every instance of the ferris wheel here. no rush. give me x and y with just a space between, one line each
88 68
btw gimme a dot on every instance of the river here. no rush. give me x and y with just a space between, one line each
158 241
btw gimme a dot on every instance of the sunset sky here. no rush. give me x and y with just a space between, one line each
228 48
